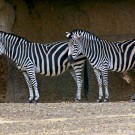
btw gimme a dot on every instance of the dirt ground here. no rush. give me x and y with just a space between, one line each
67 119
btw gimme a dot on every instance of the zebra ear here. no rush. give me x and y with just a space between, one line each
67 34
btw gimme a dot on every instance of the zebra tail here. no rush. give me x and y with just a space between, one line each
86 82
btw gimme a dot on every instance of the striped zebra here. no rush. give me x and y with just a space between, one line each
103 56
46 59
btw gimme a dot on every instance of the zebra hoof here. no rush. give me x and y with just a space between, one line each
99 100
35 101
77 101
132 100
30 101
106 100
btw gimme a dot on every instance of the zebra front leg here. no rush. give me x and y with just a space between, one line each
73 75
33 80
99 79
79 87
105 82
77 77
31 95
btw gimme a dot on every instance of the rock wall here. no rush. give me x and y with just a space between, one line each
47 21
7 16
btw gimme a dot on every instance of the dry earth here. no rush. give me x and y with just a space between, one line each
67 119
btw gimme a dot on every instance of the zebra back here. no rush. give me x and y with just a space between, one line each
117 56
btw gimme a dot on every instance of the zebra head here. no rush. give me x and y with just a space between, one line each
2 47
75 46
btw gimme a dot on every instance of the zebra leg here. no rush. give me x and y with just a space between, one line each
73 75
33 80
105 82
132 99
79 86
77 75
99 79
31 95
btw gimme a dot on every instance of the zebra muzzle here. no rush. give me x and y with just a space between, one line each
70 59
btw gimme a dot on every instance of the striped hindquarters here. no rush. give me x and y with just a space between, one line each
122 56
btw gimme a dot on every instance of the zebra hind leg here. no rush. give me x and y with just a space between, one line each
132 99
33 80
99 80
31 95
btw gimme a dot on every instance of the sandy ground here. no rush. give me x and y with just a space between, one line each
67 119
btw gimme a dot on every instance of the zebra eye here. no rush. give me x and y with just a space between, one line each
71 42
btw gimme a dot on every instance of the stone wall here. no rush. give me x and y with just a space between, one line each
47 21
7 16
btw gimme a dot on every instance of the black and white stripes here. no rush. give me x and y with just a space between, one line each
46 59
103 55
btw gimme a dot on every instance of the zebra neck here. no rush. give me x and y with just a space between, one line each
88 51
9 54
8 51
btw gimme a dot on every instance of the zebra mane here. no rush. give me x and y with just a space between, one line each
83 32
19 37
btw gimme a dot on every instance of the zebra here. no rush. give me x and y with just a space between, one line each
103 56
49 59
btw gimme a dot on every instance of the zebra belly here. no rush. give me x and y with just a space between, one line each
37 70
121 66
53 70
